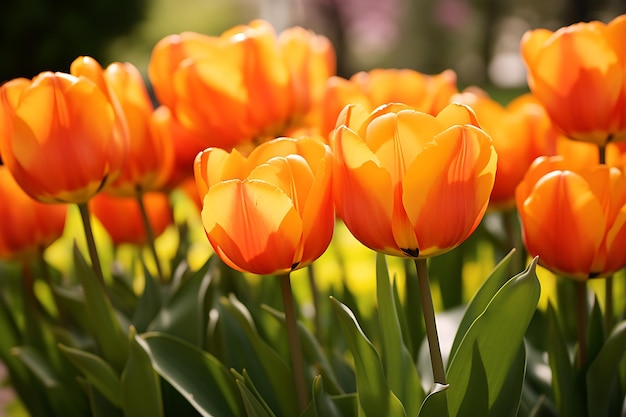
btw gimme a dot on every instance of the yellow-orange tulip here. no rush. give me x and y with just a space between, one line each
150 152
426 93
121 216
26 225
521 132
244 85
407 183
62 137
574 217
579 75
270 212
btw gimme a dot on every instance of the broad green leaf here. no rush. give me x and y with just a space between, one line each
182 314
595 331
476 397
481 299
99 406
196 375
399 368
563 375
253 402
104 323
312 351
375 396
97 371
435 404
602 373
508 402
498 333
275 368
149 303
325 405
141 387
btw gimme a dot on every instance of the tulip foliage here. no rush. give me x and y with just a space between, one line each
272 240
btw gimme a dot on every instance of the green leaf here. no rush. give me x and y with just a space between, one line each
149 303
196 375
498 333
332 406
602 373
275 369
141 387
98 372
476 397
413 303
399 368
435 404
595 331
98 404
481 299
375 396
104 324
253 402
508 402
563 375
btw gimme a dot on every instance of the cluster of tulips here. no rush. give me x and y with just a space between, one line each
275 150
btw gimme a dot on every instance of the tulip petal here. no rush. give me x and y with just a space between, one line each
254 226
563 223
447 188
363 192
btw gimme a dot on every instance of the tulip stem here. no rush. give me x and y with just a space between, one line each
581 322
91 243
150 235
608 303
295 347
428 311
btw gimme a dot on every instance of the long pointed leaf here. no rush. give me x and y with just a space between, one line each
435 404
375 396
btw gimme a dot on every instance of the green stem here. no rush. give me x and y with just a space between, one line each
91 243
602 154
428 311
315 299
608 303
581 322
150 235
295 347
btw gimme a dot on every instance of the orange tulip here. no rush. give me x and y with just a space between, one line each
244 85
574 217
150 153
521 132
26 225
121 216
271 212
63 137
579 74
410 184
426 93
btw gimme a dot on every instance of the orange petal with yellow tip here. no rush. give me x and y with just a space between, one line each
446 189
363 192
615 243
215 164
260 230
563 223
457 114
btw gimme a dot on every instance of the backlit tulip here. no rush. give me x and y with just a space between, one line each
521 132
244 85
270 212
150 152
579 75
426 93
63 138
27 226
121 216
410 184
574 217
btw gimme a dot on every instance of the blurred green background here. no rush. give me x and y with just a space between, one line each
478 39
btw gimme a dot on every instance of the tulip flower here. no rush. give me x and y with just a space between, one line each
410 184
270 212
247 84
521 132
63 138
150 153
425 93
574 217
121 217
579 75
27 226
